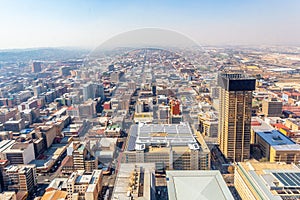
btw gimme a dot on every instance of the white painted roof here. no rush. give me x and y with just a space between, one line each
194 185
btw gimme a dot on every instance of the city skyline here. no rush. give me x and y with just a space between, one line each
153 100
30 24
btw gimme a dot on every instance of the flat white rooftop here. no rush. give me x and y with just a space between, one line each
148 134
192 185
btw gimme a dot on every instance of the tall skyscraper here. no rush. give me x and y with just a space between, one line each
88 91
235 114
92 90
36 67
99 90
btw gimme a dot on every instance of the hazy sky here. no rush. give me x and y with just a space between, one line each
88 23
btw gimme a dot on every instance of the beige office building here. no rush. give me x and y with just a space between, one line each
276 147
267 181
80 185
235 115
171 146
82 157
84 186
208 124
20 178
293 124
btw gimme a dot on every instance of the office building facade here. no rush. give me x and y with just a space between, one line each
82 156
268 181
272 108
20 177
235 115
276 147
36 67
172 146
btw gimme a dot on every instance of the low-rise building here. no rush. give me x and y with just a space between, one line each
7 113
8 196
46 161
268 181
293 124
104 149
143 117
197 185
54 194
135 181
79 185
208 124
272 107
14 125
277 147
112 131
73 130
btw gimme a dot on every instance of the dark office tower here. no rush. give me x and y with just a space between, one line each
36 67
111 68
235 115
154 89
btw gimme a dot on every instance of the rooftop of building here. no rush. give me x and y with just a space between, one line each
287 147
234 75
6 110
144 135
91 188
80 177
13 121
280 125
49 156
4 144
4 162
26 131
18 168
55 194
58 183
103 143
72 128
84 179
81 147
261 167
274 100
197 185
258 125
274 181
236 81
125 177
274 137
295 121
7 195
113 127
18 147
